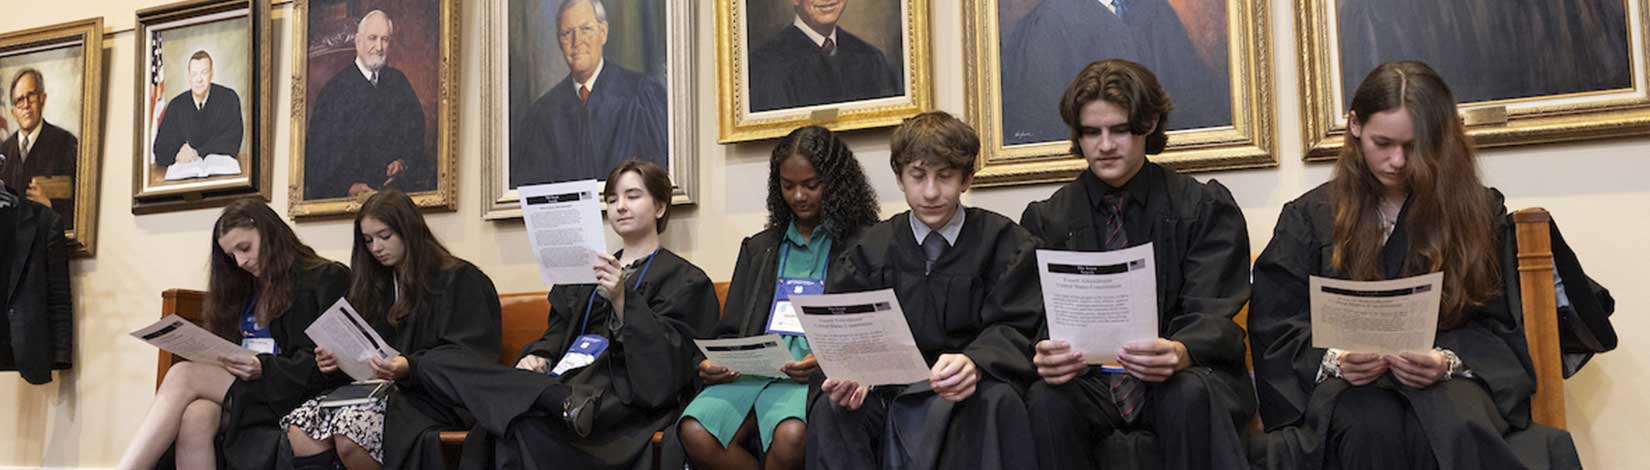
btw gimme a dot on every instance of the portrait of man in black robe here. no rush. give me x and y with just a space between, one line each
366 129
599 115
1055 39
202 121
815 61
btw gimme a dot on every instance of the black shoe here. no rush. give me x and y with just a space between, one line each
579 411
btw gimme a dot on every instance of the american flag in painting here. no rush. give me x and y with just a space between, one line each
157 87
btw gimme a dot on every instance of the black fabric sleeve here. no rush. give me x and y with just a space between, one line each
1216 282
656 340
1280 319
1013 309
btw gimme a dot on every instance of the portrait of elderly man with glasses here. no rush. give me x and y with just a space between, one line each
38 152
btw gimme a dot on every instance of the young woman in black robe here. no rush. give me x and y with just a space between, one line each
968 287
265 287
423 301
633 331
1405 200
818 201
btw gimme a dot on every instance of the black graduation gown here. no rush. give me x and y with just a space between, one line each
1200 243
1297 410
789 71
462 314
982 299
1060 37
646 375
216 129
56 152
561 139
356 129
37 331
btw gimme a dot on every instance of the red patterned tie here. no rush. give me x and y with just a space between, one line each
1126 390
584 94
1116 237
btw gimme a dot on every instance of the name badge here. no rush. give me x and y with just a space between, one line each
782 317
584 352
260 345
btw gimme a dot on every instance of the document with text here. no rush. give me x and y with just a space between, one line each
862 337
350 339
1385 317
1099 301
178 336
564 229
756 355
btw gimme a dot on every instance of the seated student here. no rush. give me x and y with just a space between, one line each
1405 200
966 280
1188 388
265 287
422 300
561 408
818 201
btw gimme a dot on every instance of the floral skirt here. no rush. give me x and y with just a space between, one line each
362 423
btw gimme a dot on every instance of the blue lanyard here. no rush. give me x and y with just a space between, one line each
591 301
785 259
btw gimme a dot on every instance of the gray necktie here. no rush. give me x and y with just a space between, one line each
22 147
933 246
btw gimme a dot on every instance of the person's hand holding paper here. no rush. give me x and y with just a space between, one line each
1380 327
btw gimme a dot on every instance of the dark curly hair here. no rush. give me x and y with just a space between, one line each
849 202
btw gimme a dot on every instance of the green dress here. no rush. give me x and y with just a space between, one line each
722 408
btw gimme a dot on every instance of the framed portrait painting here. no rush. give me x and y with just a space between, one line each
374 103
842 64
573 88
1523 72
1212 56
204 95
51 130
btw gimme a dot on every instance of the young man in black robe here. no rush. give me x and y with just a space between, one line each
814 61
1187 389
966 280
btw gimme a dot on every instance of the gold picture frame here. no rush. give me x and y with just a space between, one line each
243 61
527 63
431 70
1496 117
55 52
737 38
1247 141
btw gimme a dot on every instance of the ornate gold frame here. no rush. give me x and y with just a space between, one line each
498 200
445 195
1247 143
259 126
88 167
1491 124
735 125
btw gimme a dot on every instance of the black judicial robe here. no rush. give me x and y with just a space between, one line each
1200 242
561 139
789 71
647 374
462 314
55 153
216 129
252 432
1296 410
982 299
37 327
1060 37
356 129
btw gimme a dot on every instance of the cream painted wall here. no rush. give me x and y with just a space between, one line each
84 418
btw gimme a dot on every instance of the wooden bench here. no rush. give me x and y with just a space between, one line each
524 321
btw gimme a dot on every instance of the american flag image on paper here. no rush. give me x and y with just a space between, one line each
157 88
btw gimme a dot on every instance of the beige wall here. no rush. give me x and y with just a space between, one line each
83 419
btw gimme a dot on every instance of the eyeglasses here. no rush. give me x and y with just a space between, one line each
33 97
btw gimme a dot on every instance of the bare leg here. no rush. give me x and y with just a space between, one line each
185 382
708 453
303 445
197 433
786 451
354 456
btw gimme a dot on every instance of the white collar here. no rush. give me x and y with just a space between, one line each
367 72
951 230
591 83
819 40
201 104
1110 5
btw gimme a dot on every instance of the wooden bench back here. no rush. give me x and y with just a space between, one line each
524 317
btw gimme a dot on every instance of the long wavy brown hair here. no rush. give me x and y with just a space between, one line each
281 255
1447 220
424 258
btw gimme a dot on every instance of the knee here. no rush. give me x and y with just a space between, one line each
1184 389
348 450
301 441
179 378
199 422
1368 412
696 439
789 440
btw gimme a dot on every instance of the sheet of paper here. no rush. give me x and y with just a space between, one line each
178 336
564 229
1383 317
349 338
756 355
862 337
1099 301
